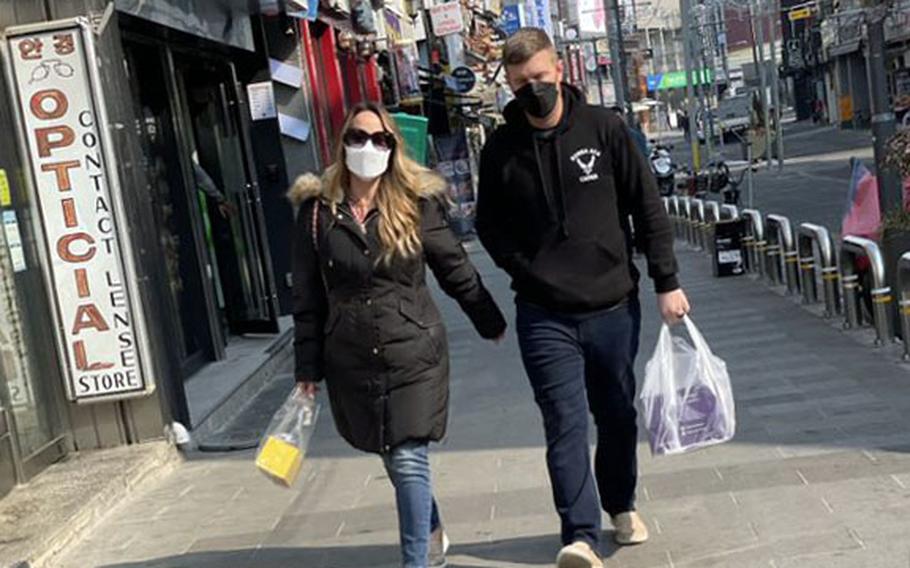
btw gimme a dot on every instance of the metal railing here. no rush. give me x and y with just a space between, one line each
783 258
814 244
853 248
729 212
712 216
754 241
903 284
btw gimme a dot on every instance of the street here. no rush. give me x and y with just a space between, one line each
817 476
814 182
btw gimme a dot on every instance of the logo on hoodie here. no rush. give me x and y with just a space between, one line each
585 159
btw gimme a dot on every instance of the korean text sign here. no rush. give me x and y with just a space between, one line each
96 307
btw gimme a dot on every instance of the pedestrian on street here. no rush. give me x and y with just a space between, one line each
364 317
558 183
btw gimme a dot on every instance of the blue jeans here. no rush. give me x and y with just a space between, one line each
581 363
408 467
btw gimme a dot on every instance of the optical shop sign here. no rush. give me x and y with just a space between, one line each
100 324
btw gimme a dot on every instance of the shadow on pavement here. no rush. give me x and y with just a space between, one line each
526 551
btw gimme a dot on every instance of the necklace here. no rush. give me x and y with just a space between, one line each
360 211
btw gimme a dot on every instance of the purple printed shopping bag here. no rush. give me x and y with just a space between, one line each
687 398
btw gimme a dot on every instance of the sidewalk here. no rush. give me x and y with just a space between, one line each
818 475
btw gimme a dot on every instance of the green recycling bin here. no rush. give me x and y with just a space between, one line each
414 130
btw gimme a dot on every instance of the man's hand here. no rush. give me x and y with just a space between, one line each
226 209
673 306
307 389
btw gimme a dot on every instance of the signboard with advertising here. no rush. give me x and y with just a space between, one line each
447 19
511 18
591 17
799 14
677 79
83 239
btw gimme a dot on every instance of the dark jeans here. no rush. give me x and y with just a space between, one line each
576 364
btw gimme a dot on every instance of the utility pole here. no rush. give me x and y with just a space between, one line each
890 196
706 70
685 9
760 30
775 77
611 11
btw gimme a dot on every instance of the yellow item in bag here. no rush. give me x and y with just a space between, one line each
280 461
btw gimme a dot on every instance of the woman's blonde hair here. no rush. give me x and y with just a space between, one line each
401 187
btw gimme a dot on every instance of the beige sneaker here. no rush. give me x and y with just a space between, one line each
439 546
578 555
630 529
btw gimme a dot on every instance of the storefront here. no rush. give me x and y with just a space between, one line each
177 132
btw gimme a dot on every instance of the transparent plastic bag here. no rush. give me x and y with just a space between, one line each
281 451
687 397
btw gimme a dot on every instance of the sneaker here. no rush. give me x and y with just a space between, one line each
439 546
578 555
630 529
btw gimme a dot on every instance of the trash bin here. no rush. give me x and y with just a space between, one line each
414 130
727 248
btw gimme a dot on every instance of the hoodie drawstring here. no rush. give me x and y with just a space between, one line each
556 204
563 216
548 194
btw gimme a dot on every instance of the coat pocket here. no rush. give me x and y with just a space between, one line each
331 322
428 328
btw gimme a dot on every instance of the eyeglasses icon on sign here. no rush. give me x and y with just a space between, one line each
43 70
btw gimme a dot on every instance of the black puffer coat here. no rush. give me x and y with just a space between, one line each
371 330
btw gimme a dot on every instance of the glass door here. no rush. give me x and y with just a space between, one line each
228 195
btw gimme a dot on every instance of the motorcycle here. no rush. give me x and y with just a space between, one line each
663 167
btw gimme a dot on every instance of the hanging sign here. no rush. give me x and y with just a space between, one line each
262 100
86 251
447 19
463 79
799 14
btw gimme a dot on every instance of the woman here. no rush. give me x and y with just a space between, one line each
364 317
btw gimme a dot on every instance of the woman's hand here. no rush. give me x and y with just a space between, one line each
307 389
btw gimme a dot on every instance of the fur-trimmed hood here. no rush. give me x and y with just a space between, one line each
310 185
305 187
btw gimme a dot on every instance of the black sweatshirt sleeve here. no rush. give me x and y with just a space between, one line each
638 192
309 298
493 224
455 273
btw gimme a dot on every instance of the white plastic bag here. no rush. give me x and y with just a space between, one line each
284 444
687 398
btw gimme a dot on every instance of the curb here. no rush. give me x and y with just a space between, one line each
45 549
279 353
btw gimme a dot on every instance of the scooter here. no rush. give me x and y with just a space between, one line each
663 167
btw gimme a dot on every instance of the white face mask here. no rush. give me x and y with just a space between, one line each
368 162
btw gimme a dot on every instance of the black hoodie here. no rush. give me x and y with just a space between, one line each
554 206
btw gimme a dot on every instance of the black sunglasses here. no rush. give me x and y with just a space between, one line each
357 138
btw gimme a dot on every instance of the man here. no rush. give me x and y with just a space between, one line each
558 184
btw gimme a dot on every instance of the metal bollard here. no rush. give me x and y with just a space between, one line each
687 216
730 212
814 243
712 216
851 249
903 281
755 240
785 267
701 227
675 216
852 310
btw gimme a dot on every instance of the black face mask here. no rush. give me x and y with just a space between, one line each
538 99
